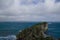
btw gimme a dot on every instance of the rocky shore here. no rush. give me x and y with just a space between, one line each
36 32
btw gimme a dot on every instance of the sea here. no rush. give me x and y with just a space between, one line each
9 30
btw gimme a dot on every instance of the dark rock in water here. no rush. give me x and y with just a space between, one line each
58 38
36 32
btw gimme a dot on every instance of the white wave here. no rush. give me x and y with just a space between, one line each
9 37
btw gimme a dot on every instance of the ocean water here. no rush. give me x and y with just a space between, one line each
9 30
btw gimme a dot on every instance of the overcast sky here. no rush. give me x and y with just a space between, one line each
30 10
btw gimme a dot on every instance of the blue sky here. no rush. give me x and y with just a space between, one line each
30 10
57 0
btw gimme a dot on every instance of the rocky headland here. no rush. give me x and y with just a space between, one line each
36 32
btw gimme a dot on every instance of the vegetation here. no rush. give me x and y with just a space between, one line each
36 32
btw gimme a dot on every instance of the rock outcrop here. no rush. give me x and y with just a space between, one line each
36 32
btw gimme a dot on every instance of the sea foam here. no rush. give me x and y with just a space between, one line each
10 37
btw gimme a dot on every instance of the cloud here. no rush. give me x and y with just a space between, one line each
5 4
57 1
29 10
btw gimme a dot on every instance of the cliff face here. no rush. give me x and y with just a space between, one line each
36 32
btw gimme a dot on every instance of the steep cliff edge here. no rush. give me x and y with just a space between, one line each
36 32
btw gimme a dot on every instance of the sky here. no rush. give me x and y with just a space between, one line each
30 10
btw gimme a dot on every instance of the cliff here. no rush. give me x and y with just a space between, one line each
36 32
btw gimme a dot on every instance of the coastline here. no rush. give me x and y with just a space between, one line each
39 29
